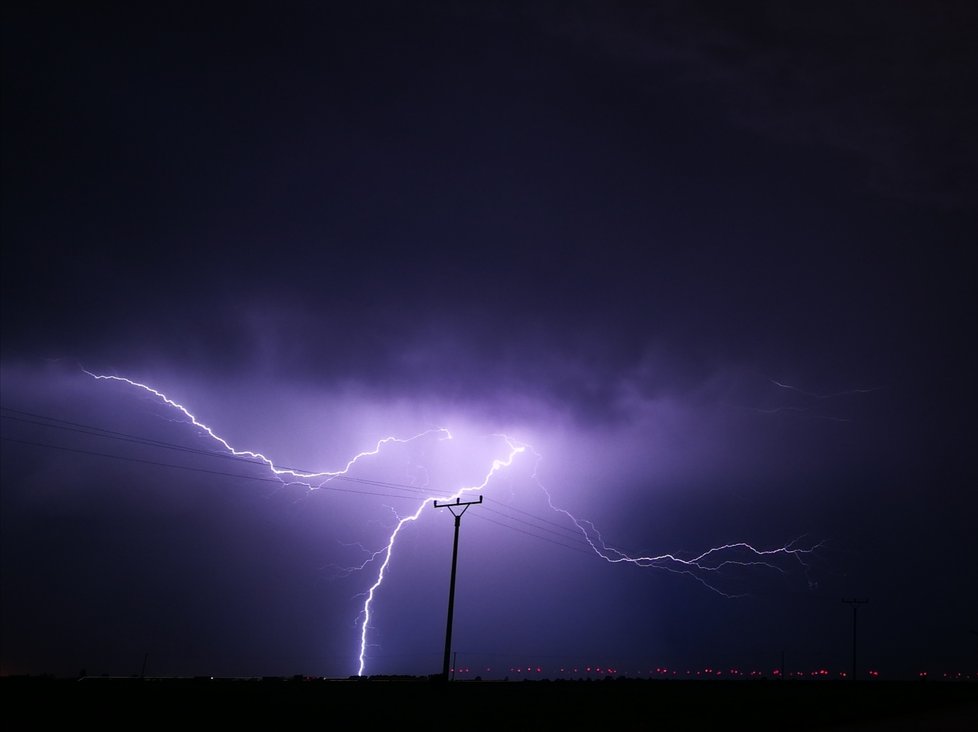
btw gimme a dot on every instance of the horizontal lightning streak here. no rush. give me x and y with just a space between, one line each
708 561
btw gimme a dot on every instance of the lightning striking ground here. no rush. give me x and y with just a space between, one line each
708 562
387 551
497 465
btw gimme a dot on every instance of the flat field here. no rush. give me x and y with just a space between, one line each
622 703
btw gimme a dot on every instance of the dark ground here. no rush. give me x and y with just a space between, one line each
622 703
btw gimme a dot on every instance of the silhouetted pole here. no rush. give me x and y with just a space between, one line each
451 589
854 604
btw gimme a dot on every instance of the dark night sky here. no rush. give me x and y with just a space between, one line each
715 262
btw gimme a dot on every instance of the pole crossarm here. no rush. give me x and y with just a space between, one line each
457 503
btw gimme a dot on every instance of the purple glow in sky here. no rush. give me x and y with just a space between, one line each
686 291
699 566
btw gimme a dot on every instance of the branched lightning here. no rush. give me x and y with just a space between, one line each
699 567
712 560
347 571
386 551
803 411
279 471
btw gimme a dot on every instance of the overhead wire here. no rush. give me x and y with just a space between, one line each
47 421
96 431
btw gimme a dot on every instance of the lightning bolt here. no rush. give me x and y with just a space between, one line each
712 560
497 465
708 562
387 551
276 470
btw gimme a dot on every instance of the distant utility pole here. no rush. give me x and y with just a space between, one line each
854 604
451 590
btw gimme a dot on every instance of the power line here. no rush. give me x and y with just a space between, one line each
190 468
536 536
541 519
568 533
122 436
97 431
260 479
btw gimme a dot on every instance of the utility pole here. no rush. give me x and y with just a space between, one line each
462 507
854 604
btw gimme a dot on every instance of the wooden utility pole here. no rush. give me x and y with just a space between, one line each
451 590
854 604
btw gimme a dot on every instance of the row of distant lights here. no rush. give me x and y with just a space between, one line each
664 672
669 673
